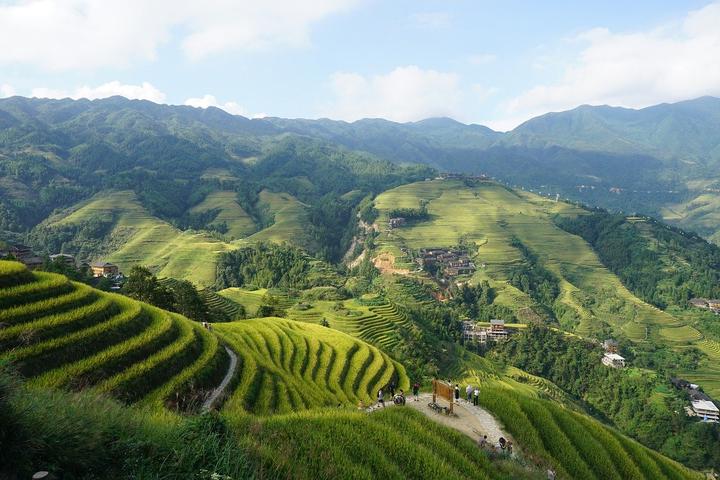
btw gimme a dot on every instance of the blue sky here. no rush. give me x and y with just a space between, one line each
496 63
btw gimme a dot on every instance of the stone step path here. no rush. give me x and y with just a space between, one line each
223 385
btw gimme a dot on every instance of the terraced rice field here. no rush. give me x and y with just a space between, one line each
287 366
139 238
290 218
680 333
68 335
379 325
577 445
239 223
215 301
491 215
253 299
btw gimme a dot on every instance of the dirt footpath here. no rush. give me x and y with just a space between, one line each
470 420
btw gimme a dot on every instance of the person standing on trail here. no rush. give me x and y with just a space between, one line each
482 442
457 392
476 397
381 398
468 393
416 391
392 389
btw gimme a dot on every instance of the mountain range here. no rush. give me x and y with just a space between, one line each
659 160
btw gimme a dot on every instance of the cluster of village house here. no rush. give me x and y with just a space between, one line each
27 256
701 405
712 305
449 262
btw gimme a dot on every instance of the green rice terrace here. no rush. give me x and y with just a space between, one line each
290 366
68 335
288 410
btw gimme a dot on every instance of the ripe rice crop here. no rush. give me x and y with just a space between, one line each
287 366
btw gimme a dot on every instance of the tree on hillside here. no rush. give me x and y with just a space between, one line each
187 301
142 285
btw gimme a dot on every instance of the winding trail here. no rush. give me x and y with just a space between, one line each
223 385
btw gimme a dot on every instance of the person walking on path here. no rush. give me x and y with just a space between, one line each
381 398
468 393
457 393
551 475
476 397
482 442
392 389
416 391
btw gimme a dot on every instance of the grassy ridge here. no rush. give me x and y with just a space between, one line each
239 223
490 218
289 219
77 337
139 238
578 446
287 366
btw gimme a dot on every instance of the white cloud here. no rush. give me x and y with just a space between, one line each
637 69
145 91
86 34
404 94
431 20
220 25
233 108
6 90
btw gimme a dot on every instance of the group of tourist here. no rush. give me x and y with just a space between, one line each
503 446
398 398
472 394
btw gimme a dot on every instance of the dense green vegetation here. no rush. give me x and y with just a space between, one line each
410 214
533 279
639 402
178 296
662 265
268 265
185 167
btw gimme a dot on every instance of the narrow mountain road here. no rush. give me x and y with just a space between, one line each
223 385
